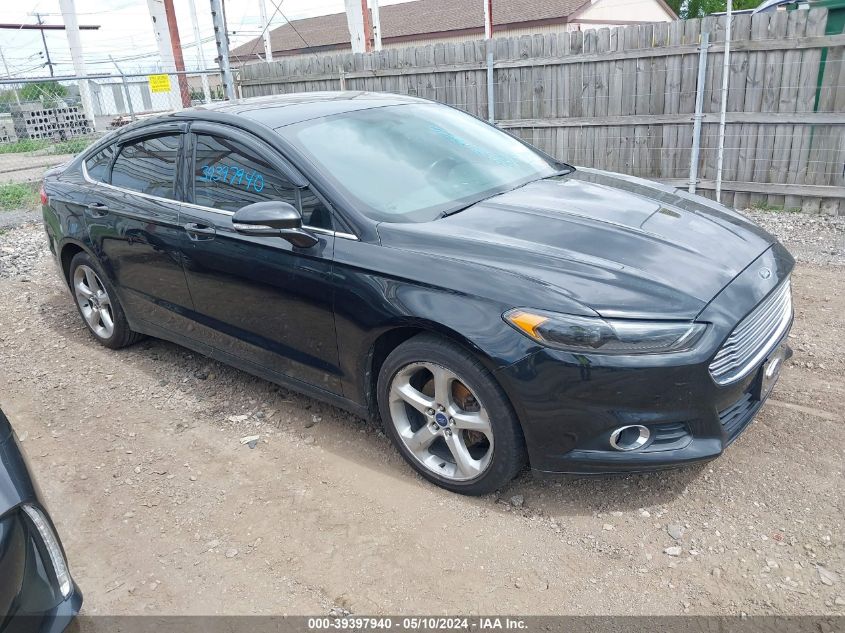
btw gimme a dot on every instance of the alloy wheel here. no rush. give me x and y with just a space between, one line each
93 300
440 421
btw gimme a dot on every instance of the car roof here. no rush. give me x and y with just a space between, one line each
275 111
271 111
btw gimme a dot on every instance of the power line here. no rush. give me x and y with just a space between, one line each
304 41
266 26
287 21
64 60
41 26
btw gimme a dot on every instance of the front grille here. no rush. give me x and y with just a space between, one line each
737 416
754 337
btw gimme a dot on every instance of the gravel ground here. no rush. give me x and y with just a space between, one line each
163 509
19 217
21 248
814 239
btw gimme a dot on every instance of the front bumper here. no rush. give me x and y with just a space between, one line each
56 619
570 404
31 600
570 435
31 596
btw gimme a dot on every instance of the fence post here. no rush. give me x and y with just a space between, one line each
726 71
699 106
125 90
491 87
128 96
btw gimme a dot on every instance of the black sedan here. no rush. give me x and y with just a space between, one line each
404 260
37 593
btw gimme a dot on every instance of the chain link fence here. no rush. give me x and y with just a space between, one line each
45 121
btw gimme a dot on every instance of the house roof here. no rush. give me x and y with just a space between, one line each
409 20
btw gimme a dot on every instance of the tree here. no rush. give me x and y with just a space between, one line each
47 92
676 5
687 9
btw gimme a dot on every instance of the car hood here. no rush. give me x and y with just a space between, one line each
618 245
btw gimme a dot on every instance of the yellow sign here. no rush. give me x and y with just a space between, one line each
159 83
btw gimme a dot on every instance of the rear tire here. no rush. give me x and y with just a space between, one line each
98 305
448 417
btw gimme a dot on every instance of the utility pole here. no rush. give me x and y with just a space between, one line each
221 38
488 19
158 14
200 54
358 21
46 50
9 75
176 45
376 26
45 27
265 25
74 43
368 27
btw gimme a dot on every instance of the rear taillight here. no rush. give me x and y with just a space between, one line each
43 195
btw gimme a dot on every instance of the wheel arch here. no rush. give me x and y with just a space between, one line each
392 337
69 249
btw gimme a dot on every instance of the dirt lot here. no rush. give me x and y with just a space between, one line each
163 510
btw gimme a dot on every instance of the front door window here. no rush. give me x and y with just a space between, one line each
228 176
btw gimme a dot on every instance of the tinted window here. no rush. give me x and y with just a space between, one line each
314 212
98 165
148 166
228 177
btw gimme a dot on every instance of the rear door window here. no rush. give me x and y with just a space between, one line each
148 166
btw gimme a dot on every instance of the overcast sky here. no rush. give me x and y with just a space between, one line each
126 31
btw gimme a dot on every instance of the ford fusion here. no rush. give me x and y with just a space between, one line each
406 261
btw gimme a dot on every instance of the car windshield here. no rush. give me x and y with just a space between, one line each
415 162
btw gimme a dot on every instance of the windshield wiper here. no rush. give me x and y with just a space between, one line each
561 172
467 206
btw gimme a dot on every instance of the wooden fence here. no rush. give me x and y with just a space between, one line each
624 99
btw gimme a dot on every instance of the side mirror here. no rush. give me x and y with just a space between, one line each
273 218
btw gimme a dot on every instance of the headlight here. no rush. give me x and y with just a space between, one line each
605 336
54 550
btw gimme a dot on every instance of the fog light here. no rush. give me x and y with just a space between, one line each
629 438
54 550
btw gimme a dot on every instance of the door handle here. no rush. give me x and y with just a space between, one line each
97 209
195 230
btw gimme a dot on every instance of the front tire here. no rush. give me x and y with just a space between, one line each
98 304
448 416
